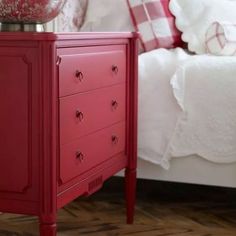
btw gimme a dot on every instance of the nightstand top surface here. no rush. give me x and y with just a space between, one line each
50 36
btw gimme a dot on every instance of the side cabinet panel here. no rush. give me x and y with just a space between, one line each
18 124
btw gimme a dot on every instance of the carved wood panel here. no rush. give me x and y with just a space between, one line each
16 125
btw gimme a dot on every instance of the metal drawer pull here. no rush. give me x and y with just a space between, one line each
114 139
79 156
79 75
79 115
115 69
114 104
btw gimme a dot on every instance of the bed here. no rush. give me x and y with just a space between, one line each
187 115
193 158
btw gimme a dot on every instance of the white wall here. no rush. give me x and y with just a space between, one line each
50 26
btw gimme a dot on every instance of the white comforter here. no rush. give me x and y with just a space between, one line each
187 105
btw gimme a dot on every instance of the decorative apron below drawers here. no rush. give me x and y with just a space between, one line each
68 119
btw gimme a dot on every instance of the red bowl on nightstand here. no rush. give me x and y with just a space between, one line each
16 15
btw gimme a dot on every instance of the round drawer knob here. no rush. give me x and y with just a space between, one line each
79 115
114 139
115 69
79 75
79 156
114 104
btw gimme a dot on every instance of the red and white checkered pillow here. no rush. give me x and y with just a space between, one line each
156 24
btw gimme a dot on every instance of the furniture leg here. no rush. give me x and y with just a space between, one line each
130 193
48 229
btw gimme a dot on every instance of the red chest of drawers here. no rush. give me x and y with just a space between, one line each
68 119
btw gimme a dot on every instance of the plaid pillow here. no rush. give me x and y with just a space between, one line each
156 24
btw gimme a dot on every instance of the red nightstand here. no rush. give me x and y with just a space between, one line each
68 119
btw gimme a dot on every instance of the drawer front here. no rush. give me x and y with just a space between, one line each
101 67
89 151
88 112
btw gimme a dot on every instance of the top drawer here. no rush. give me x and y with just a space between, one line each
91 68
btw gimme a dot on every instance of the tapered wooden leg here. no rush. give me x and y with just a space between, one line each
48 229
130 194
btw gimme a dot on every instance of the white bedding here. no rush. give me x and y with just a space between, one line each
186 106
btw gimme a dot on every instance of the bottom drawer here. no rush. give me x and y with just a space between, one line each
89 151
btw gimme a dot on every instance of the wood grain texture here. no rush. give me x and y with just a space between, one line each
163 209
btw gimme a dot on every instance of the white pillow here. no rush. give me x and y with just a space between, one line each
107 15
72 16
221 39
193 17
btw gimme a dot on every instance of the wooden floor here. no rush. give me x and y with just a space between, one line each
163 209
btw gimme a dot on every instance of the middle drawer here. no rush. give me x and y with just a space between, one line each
88 112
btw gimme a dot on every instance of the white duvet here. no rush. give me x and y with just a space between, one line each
187 105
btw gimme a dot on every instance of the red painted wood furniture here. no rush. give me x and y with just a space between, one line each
68 119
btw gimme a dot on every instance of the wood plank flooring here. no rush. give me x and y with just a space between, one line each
163 209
